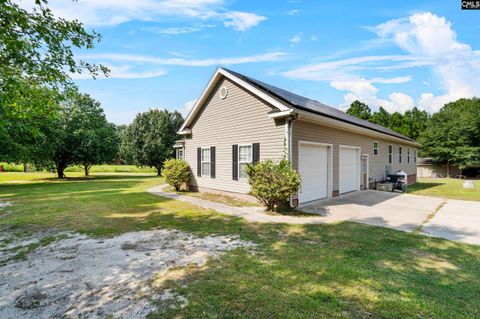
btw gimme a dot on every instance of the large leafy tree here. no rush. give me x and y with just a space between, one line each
360 110
149 140
83 135
415 121
27 122
454 134
381 117
36 53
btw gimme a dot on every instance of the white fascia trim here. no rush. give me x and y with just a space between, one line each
316 118
280 114
185 131
214 79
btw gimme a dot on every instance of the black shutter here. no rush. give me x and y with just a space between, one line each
256 153
235 162
212 161
199 161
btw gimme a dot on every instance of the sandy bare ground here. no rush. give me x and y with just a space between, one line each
78 276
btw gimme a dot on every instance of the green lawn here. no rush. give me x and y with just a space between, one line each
445 187
345 270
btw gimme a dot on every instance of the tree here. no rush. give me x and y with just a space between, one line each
454 134
83 135
360 110
411 123
149 140
396 123
415 121
36 56
381 117
27 118
120 156
36 45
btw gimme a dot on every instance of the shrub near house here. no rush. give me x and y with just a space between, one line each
273 183
176 173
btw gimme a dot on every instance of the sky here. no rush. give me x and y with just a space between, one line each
392 54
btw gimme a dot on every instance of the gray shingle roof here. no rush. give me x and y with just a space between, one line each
306 104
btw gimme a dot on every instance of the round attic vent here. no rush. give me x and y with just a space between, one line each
223 92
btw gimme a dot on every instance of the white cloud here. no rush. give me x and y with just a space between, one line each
346 68
131 58
114 12
296 39
429 36
395 80
429 41
364 91
242 21
122 72
187 107
293 12
178 30
313 37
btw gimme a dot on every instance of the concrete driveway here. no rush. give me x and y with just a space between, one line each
450 219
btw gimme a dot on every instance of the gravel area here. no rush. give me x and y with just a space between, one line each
79 276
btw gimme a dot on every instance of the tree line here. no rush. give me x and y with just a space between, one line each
450 136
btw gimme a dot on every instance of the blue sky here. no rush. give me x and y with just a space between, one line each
395 54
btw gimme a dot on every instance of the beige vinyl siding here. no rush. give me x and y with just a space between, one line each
241 118
306 131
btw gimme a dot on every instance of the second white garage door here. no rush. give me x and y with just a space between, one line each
349 180
313 168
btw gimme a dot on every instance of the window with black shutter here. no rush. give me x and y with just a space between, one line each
256 153
212 161
235 162
199 161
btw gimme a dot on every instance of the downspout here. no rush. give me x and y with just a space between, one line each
289 135
289 121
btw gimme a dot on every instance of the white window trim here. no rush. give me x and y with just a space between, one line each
238 159
180 149
390 153
378 148
202 161
400 154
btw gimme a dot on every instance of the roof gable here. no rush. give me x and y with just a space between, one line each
217 76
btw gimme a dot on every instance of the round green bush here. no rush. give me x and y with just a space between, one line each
273 183
176 172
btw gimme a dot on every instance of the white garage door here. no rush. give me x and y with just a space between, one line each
313 168
349 170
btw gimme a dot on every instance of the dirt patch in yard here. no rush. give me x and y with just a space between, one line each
78 276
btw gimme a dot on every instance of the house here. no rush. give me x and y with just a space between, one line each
426 167
239 120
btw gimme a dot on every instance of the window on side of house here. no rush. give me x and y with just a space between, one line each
414 156
375 148
206 161
244 158
399 154
180 153
408 155
390 153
